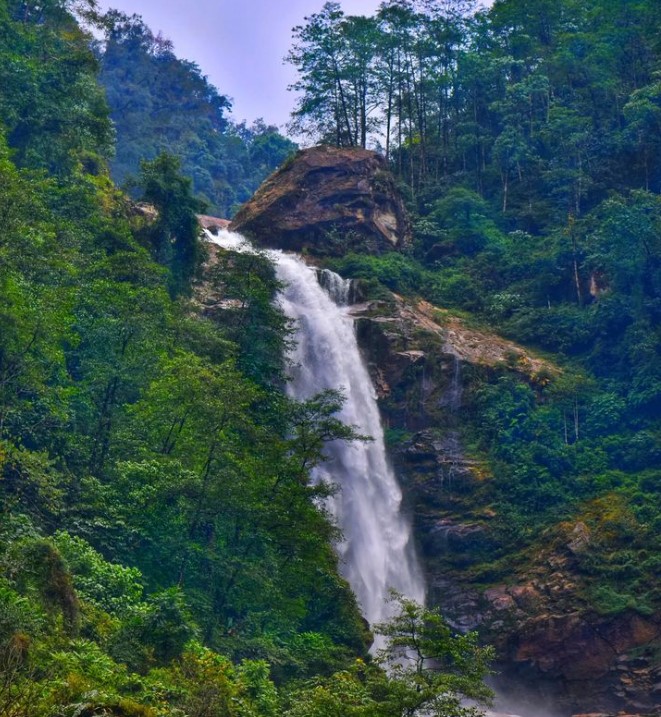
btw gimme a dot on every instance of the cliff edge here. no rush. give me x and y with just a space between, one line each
327 201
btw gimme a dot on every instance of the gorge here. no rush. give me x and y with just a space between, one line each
484 207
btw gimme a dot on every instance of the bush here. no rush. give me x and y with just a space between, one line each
109 586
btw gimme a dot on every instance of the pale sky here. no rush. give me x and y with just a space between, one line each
238 44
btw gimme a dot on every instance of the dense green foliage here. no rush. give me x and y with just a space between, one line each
433 674
162 549
160 103
526 138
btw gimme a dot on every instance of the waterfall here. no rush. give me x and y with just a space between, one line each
377 552
339 289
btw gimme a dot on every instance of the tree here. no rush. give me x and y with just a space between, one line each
643 113
118 327
431 669
323 110
54 113
174 235
247 283
424 670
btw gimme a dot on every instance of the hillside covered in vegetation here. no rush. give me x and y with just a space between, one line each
162 549
526 139
160 103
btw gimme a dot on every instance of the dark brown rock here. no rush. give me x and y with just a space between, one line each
447 534
212 224
327 200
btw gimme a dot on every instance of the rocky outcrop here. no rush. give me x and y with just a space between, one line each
545 631
549 638
327 201
416 353
212 224
552 647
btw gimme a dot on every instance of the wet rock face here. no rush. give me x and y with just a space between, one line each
327 201
547 635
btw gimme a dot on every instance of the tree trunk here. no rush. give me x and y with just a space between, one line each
505 179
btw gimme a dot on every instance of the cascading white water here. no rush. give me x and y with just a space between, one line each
377 551
338 288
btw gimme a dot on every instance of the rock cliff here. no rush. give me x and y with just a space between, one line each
327 201
533 608
212 224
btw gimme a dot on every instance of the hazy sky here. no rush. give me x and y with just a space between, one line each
238 44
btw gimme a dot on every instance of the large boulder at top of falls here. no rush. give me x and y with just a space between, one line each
328 201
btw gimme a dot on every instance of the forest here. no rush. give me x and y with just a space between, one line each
526 140
160 103
162 549
140 437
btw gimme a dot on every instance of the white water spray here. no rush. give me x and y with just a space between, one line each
377 551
